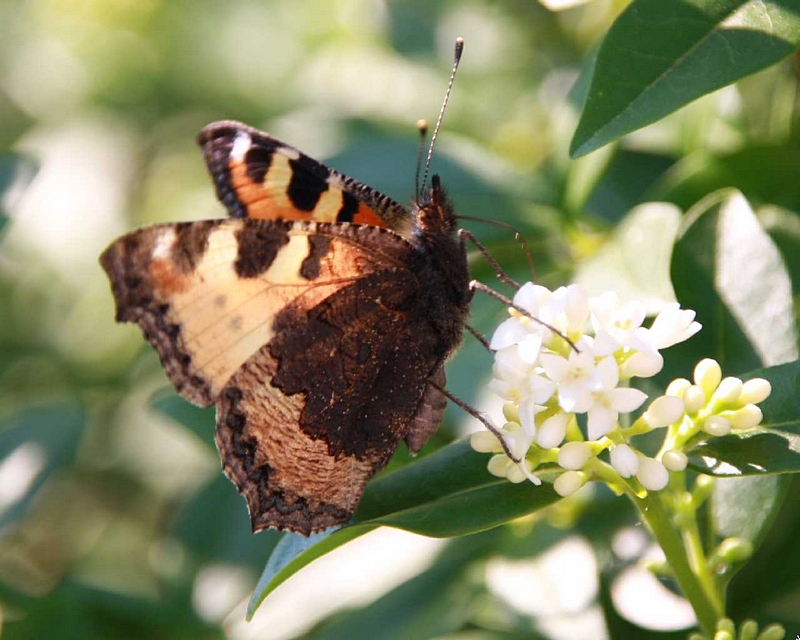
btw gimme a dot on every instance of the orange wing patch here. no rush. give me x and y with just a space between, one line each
260 177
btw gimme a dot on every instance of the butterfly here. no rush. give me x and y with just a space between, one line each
317 319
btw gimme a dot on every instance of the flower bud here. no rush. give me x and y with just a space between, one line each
748 630
498 465
484 442
517 475
675 460
724 634
726 624
772 632
728 390
552 432
677 387
747 417
717 426
641 365
735 550
569 482
574 455
707 375
693 399
624 460
511 412
755 391
664 411
652 474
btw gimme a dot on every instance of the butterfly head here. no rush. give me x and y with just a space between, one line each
434 212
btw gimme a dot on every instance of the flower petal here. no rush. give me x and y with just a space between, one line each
600 421
625 399
510 332
556 367
608 373
529 348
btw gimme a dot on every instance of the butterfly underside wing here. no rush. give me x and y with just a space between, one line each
319 343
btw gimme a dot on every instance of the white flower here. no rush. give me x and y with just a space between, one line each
609 401
652 474
614 324
575 376
567 310
515 379
624 460
671 326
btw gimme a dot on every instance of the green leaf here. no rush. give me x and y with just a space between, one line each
635 263
773 446
197 420
41 440
448 493
433 603
696 175
659 56
745 507
784 228
727 268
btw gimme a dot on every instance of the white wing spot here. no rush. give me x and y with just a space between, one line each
241 143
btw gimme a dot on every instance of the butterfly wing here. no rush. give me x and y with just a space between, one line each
257 176
302 334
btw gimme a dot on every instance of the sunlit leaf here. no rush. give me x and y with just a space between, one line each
449 493
635 262
34 443
726 268
199 421
659 56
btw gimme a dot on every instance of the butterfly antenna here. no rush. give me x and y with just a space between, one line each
456 60
422 127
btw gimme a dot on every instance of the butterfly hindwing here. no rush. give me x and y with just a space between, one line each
306 335
257 176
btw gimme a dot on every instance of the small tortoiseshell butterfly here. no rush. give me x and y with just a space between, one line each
318 321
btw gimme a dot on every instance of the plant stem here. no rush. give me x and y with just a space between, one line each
706 606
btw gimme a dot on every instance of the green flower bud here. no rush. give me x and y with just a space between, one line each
707 375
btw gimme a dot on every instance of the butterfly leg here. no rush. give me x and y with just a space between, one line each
479 286
479 337
481 418
464 235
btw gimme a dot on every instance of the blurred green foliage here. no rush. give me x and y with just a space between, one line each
114 518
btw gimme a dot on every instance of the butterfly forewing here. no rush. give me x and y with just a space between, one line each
257 176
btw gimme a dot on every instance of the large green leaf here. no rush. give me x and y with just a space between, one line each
698 174
635 263
449 493
659 56
434 603
773 446
35 443
727 268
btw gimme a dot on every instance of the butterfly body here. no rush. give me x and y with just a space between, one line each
318 321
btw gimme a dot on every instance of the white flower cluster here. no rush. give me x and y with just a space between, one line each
567 355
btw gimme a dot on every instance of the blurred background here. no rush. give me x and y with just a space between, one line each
115 520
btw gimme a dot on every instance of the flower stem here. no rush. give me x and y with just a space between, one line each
706 605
